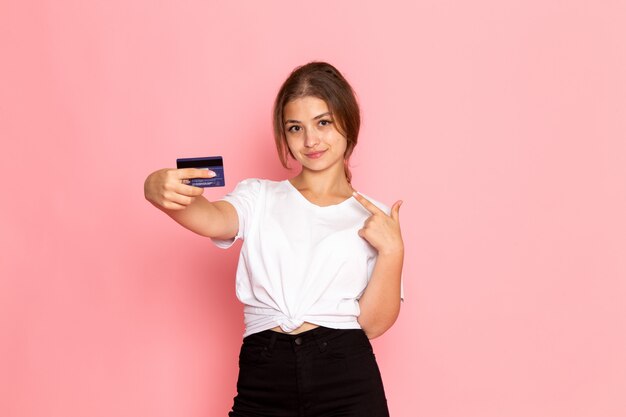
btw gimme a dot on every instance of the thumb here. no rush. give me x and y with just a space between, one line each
395 210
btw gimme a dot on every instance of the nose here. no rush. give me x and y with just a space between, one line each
311 138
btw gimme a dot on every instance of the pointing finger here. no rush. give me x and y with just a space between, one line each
369 206
186 173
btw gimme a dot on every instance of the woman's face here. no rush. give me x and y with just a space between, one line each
312 135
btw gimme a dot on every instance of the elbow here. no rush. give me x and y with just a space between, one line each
374 331
373 334
377 326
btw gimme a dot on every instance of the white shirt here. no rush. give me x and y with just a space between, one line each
299 261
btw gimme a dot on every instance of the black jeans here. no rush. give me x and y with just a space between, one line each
319 373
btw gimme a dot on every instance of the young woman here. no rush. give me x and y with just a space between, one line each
319 272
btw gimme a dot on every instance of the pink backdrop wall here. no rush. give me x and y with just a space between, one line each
501 124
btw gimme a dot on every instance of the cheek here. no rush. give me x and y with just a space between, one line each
339 142
291 145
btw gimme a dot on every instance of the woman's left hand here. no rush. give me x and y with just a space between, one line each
380 230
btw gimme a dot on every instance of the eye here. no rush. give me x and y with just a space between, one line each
294 128
325 122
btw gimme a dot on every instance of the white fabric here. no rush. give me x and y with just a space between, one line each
299 261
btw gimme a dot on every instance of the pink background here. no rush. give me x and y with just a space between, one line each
501 124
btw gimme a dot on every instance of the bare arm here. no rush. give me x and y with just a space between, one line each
380 302
186 205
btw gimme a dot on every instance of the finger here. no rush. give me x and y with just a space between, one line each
180 199
395 210
369 206
173 206
186 173
188 190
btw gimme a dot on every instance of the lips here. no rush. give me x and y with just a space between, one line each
314 155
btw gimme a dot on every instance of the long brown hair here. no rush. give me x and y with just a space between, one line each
321 80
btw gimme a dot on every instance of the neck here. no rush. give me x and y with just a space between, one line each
326 183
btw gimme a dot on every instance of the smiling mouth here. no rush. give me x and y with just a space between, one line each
314 155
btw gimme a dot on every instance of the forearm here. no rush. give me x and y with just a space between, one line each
210 219
167 190
380 302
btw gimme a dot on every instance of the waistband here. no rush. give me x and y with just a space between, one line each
319 336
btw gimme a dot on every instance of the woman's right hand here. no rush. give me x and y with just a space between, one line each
166 188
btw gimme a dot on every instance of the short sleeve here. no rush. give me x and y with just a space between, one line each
244 199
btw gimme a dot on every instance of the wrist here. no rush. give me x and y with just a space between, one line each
397 251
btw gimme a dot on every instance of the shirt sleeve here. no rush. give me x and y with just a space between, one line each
243 198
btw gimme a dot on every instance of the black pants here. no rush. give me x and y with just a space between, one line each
319 373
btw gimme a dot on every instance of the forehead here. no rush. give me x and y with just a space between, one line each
304 108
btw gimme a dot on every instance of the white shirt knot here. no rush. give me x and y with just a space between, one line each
288 324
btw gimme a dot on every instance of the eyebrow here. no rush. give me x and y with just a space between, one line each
315 118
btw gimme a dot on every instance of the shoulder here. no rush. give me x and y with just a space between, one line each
257 186
258 182
249 184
